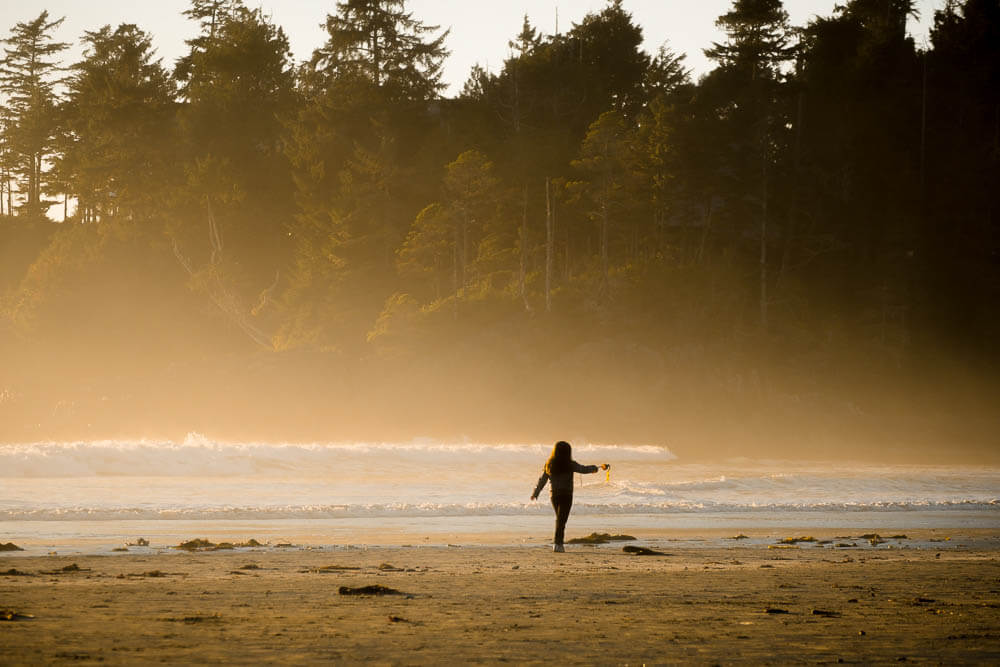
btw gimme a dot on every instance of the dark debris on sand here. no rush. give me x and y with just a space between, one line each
152 574
389 567
200 544
331 569
826 613
642 551
11 615
69 569
375 589
197 618
195 544
12 572
600 538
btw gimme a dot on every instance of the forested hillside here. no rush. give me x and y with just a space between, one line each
797 253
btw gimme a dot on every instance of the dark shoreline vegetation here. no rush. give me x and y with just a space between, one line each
796 255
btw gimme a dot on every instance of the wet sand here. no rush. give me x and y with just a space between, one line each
520 604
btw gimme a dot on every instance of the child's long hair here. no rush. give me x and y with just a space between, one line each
560 460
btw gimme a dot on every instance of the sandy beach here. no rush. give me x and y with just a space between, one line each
521 604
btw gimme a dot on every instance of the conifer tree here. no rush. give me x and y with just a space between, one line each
119 115
29 75
358 145
748 81
380 42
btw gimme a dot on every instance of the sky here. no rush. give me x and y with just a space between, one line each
480 30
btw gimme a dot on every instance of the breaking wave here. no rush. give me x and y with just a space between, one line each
197 455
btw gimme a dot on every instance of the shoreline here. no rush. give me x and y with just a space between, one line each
743 603
927 530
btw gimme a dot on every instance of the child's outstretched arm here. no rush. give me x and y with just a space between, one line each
586 470
541 484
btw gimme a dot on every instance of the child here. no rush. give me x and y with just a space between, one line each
559 471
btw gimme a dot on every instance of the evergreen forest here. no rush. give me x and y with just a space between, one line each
796 253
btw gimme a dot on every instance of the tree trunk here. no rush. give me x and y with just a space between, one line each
923 132
793 208
523 266
604 243
548 248
464 257
567 263
38 181
763 246
454 277
31 182
454 262
706 228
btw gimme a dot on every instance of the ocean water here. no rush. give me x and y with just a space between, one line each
97 493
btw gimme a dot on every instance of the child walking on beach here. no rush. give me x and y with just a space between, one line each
558 472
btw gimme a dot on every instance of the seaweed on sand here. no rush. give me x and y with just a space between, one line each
327 569
154 574
206 545
196 618
600 538
642 551
69 569
375 589
826 613
195 544
389 567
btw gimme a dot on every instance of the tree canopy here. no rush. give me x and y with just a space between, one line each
813 217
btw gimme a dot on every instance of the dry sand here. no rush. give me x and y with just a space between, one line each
505 603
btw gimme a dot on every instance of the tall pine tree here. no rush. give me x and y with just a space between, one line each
29 75
359 146
119 114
